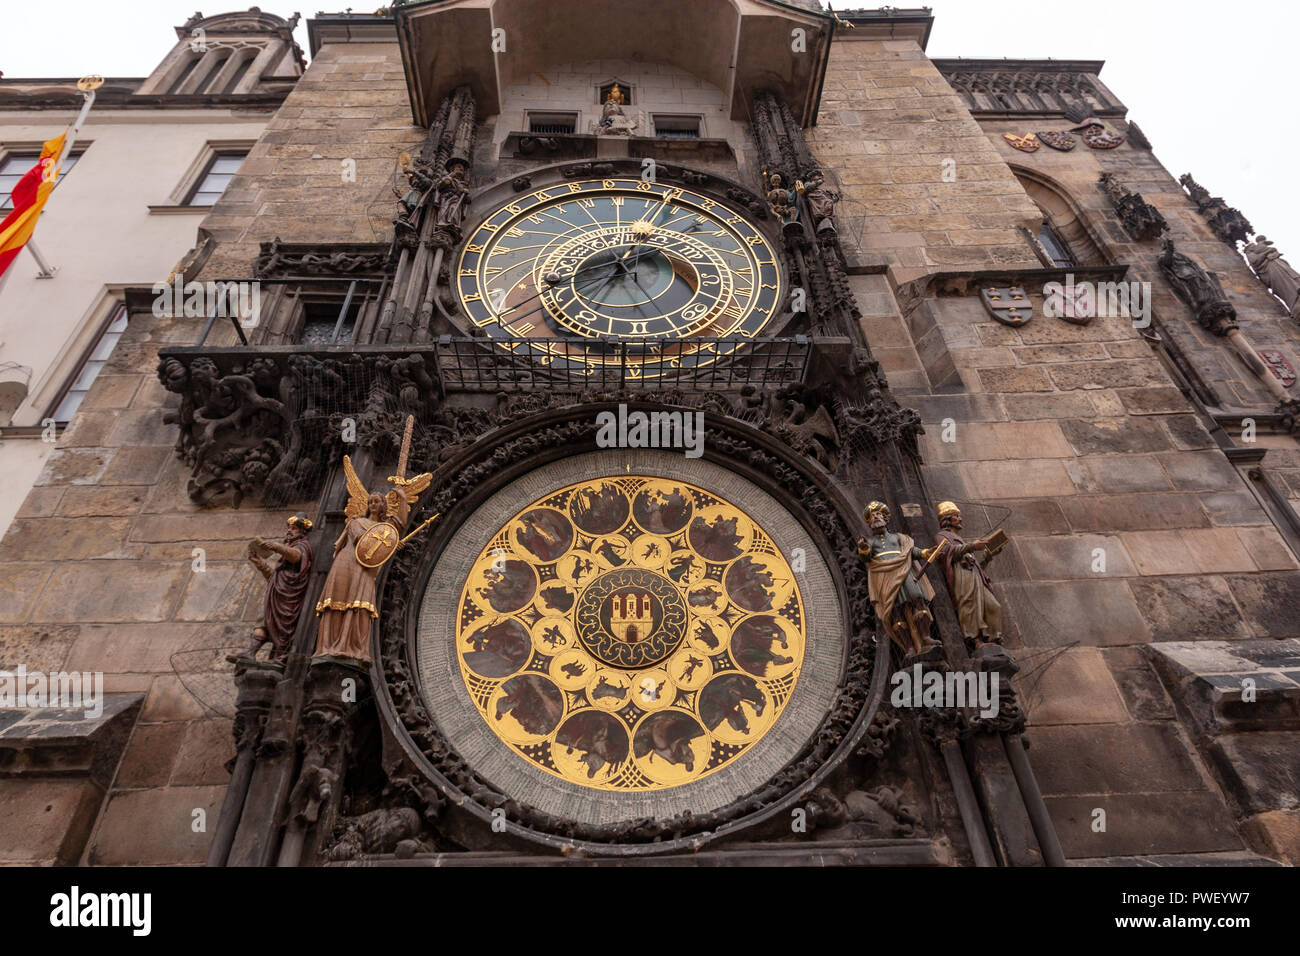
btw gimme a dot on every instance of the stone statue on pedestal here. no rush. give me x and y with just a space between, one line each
1199 290
1275 272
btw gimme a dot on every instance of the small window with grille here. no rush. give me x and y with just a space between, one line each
677 127
321 318
550 124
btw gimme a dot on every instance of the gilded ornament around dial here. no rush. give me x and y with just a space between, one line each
630 633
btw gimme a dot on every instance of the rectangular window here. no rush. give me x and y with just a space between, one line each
216 178
677 127
90 368
552 123
15 165
1055 247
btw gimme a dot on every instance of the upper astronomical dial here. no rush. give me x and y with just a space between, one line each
618 260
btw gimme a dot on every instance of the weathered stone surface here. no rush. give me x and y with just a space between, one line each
1233 508
39 818
1053 405
1115 513
1091 613
110 591
76 466
1129 758
1092 375
1075 688
1260 769
151 827
1144 695
1112 436
114 502
1267 549
41 502
1118 474
1014 380
1187 432
1269 602
169 700
991 480
202 760
19 586
139 465
1276 834
68 539
1201 471
148 761
1066 557
1160 552
1189 609
40 647
1143 823
1153 401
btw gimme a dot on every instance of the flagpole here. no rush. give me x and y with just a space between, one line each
87 85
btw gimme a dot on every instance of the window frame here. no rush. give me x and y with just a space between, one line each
541 116
683 118
117 309
214 155
11 150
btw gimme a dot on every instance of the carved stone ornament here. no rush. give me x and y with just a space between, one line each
1057 140
1026 144
279 259
1277 363
1199 289
1141 220
1228 223
1010 305
1097 136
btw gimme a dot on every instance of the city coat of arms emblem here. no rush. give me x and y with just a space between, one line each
1057 140
1097 136
1279 366
1026 144
1009 305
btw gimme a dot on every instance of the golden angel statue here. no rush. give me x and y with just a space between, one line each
371 536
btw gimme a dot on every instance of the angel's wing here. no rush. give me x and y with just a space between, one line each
357 494
417 485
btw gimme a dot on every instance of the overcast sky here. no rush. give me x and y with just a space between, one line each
1215 86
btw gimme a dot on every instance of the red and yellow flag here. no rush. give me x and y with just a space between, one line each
29 196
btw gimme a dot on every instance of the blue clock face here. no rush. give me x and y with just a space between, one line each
619 261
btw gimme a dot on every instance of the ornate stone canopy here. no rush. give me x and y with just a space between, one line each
703 36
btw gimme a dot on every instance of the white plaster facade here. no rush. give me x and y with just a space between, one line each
118 218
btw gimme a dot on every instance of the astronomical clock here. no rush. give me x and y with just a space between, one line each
662 269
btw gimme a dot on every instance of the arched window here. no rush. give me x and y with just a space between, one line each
1064 235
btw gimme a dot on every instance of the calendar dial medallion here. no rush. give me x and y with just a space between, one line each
647 273
638 659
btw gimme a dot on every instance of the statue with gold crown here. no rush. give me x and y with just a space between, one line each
896 582
371 536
